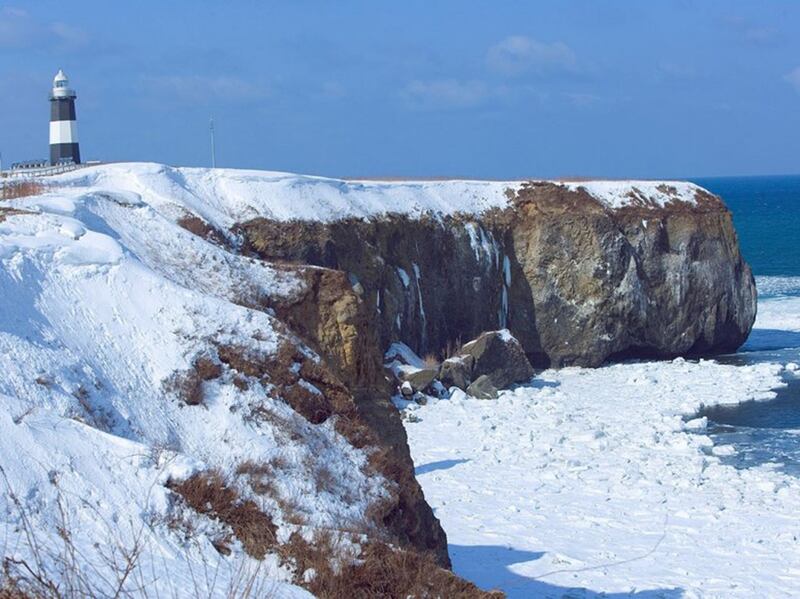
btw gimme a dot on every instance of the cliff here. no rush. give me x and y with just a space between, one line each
578 280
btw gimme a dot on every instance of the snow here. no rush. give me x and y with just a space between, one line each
104 300
604 481
618 194
224 197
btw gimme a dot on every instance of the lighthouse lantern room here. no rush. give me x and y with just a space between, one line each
63 124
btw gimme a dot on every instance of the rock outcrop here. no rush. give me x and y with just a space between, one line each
498 357
493 361
333 319
578 281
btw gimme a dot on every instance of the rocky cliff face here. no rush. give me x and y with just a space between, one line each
576 281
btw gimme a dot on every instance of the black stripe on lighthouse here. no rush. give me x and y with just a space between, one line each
62 110
65 152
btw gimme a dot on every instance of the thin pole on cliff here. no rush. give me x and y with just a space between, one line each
213 148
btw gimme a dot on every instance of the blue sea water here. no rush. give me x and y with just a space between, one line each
766 212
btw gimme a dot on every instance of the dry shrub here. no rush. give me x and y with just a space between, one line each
207 493
324 480
188 384
239 359
452 348
314 407
197 226
261 477
11 590
4 212
378 571
430 361
11 190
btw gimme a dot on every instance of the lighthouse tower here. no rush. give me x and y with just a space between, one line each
63 125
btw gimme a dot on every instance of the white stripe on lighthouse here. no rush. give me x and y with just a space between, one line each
63 132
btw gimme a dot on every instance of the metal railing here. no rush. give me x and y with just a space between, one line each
45 171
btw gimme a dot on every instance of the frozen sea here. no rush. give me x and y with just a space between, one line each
766 212
659 479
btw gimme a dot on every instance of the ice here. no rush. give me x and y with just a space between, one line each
599 479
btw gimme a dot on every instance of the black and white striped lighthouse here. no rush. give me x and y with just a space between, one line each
63 124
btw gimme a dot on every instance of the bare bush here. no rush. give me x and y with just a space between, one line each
197 226
452 348
329 570
430 361
11 190
188 384
208 493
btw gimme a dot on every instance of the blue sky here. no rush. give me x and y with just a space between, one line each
490 89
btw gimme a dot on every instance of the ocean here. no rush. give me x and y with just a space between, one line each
766 212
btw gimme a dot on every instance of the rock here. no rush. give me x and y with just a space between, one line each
420 380
456 372
330 316
483 388
500 357
406 390
576 281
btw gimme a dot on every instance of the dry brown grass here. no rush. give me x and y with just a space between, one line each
377 571
261 478
208 493
188 384
430 361
197 226
11 590
11 190
452 348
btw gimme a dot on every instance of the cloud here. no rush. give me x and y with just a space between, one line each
446 93
582 100
751 33
793 79
20 30
225 87
519 54
675 70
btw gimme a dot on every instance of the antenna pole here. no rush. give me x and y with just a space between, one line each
213 148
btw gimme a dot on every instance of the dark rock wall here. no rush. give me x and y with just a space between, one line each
576 282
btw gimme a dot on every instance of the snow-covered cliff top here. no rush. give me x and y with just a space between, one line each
227 196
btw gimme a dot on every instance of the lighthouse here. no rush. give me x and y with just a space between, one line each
63 125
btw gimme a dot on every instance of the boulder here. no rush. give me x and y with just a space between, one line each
456 372
420 380
483 388
500 357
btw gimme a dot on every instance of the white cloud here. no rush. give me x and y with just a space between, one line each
446 93
20 30
226 87
518 54
793 79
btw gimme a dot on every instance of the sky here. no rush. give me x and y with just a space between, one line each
467 88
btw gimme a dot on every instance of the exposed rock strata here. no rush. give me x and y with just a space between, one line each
577 282
337 323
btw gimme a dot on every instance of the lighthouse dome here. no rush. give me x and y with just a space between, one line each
61 86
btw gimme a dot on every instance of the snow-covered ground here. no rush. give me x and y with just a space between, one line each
224 197
104 301
598 481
